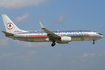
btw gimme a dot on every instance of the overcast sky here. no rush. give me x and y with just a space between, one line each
55 15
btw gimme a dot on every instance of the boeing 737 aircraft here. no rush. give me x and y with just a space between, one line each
61 37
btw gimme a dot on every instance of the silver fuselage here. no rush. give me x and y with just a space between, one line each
40 36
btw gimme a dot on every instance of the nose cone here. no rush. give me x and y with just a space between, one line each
102 36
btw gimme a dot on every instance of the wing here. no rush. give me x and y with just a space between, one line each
51 35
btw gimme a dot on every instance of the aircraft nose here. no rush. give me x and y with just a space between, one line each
102 36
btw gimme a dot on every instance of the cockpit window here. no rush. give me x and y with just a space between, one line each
100 34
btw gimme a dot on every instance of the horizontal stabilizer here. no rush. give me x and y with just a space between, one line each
7 34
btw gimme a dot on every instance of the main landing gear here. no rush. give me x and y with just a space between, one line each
53 44
93 41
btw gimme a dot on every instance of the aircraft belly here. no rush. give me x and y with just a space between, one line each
77 38
83 38
42 39
31 39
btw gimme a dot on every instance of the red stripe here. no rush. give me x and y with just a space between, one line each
74 35
31 36
87 36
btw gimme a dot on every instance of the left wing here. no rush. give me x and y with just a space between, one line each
51 35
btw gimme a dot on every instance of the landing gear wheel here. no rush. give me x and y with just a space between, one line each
53 44
93 41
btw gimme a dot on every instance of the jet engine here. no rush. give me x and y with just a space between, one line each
65 39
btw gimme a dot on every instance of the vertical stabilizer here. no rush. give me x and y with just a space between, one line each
10 26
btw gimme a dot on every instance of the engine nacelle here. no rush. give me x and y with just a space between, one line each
47 39
65 39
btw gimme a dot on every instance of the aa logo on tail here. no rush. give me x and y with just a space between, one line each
9 26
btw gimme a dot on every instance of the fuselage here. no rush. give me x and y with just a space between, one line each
41 36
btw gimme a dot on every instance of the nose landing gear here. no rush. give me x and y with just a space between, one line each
93 41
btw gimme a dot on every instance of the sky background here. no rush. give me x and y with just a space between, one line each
55 15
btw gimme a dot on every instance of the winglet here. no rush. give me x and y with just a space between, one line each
41 25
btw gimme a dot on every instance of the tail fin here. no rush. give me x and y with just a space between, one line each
10 26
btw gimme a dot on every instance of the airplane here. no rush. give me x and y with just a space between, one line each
61 37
